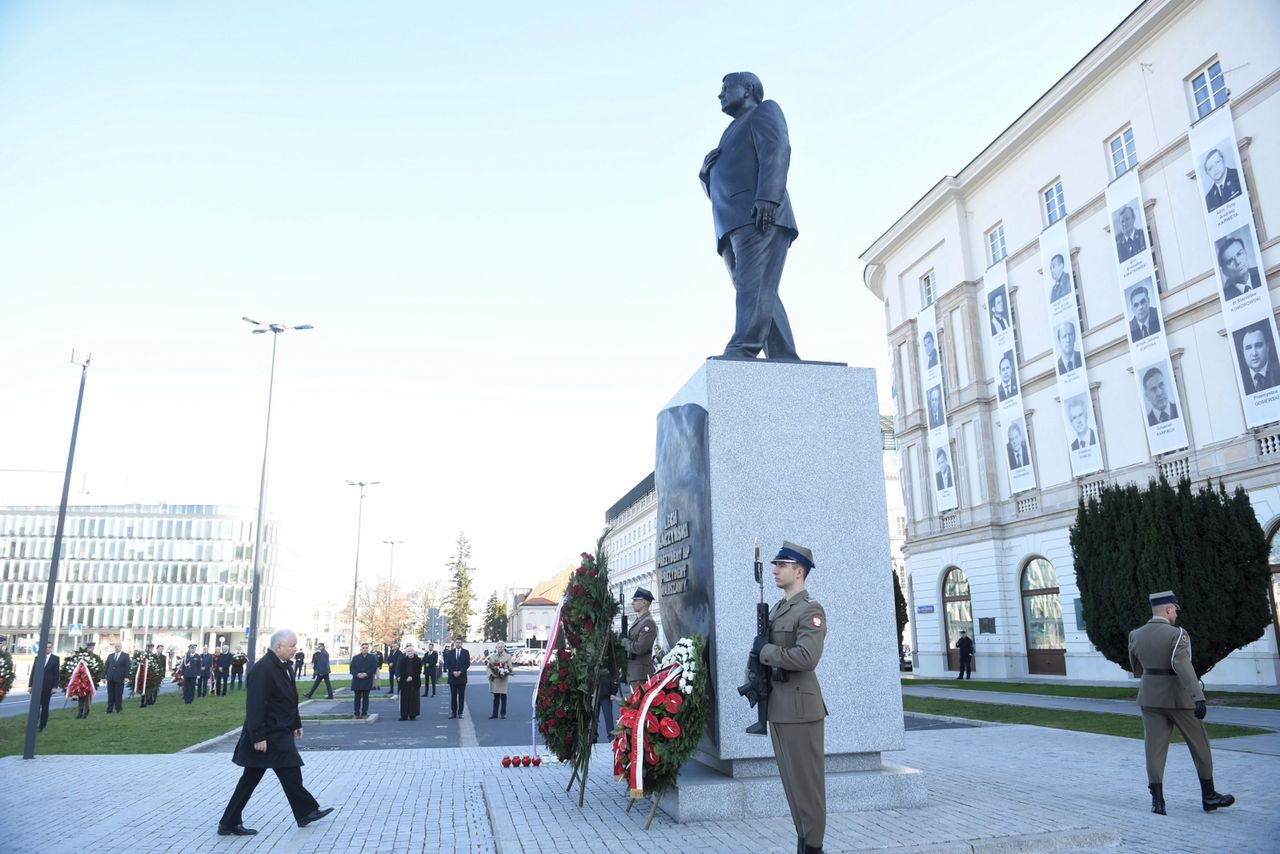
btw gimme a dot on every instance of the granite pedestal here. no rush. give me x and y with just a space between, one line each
767 451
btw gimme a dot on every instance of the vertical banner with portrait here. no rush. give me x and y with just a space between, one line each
1237 262
935 410
1148 347
1010 426
1068 349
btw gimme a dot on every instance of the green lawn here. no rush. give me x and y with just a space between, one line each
166 727
1126 726
1096 692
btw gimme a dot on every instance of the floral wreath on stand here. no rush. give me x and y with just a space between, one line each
661 723
6 673
95 665
151 675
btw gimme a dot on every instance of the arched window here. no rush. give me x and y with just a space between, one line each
957 613
1274 560
1042 617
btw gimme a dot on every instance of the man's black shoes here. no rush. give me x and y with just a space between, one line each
315 815
1157 798
1210 799
236 830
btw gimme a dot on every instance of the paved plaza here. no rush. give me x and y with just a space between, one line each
991 788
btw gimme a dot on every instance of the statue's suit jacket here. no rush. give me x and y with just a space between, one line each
755 154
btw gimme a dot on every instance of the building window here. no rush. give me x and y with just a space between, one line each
928 288
996 250
1055 205
1124 155
1042 617
958 613
1075 274
1155 251
1208 89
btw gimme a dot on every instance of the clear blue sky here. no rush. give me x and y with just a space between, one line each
491 216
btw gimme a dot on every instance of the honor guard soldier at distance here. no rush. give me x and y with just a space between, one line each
639 638
1170 695
797 632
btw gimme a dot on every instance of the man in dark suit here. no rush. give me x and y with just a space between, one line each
456 662
52 673
1078 415
936 414
206 667
320 671
745 177
299 664
1008 386
1129 240
943 476
1068 356
225 661
1226 181
1144 321
393 659
189 670
965 646
1060 281
1155 388
364 666
430 670
1016 447
1258 365
117 673
271 726
930 350
1238 277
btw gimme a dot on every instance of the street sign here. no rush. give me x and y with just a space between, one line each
924 609
246 631
75 630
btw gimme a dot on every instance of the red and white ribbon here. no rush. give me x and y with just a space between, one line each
537 686
660 680
80 665
140 678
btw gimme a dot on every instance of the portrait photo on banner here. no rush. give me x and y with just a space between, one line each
1256 351
937 415
1237 264
998 306
930 347
1141 311
1126 225
1067 336
942 474
1079 411
1016 447
1059 278
1222 175
1156 394
1008 376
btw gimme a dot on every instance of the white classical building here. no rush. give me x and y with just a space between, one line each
631 545
987 546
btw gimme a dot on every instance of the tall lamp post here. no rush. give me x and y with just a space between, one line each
391 572
38 688
275 329
355 588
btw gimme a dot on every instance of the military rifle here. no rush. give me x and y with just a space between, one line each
759 677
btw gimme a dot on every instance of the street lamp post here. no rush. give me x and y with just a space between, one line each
46 620
391 572
275 329
355 587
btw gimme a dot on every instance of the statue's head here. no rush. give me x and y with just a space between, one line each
739 91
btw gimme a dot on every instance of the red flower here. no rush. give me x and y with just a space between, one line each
650 758
564 688
669 728
564 673
617 769
577 590
673 704
651 722
568 738
659 699
588 625
560 713
586 556
582 570
591 574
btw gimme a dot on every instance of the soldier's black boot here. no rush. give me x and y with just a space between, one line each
1210 799
812 849
1157 798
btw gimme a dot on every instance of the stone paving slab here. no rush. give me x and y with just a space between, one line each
994 788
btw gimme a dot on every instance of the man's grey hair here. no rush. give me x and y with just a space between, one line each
280 636
746 78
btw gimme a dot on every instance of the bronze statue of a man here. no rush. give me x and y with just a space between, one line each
746 179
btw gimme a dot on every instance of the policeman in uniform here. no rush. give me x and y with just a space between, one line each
638 641
797 631
1170 695
189 670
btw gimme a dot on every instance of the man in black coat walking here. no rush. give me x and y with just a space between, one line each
271 726
430 670
456 662
117 672
320 670
52 673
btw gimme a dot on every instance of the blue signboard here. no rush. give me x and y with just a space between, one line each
924 609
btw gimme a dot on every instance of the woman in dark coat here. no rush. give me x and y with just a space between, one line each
409 674
271 724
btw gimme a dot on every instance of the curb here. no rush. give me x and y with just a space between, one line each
208 741
954 719
1049 841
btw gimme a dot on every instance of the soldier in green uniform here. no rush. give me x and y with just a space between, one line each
797 631
1170 695
638 641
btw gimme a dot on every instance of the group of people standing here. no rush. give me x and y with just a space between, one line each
406 670
220 668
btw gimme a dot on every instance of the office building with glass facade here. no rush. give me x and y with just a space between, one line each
136 573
